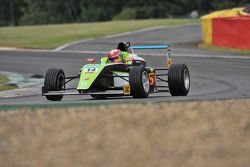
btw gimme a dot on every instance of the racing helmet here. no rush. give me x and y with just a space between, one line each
115 56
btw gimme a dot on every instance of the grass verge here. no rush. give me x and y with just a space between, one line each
3 83
224 49
3 79
51 36
162 134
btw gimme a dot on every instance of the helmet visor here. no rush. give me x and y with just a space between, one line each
114 59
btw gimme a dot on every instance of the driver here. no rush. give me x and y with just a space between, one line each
120 56
115 56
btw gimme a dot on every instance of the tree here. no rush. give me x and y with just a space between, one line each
14 12
10 11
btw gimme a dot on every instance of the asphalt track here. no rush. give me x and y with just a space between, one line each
214 75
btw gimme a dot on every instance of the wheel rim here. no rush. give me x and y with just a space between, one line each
60 82
186 79
145 81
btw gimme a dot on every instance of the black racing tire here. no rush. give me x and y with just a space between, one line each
54 80
139 82
178 80
99 97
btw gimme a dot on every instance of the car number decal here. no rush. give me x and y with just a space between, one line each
90 70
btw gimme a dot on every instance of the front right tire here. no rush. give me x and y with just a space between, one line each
178 80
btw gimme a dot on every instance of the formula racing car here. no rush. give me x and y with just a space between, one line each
129 77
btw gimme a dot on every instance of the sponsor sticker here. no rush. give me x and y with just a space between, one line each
126 89
86 78
151 79
84 84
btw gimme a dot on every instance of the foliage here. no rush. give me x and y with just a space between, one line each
27 12
3 79
126 14
11 11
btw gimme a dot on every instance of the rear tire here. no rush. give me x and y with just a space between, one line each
54 80
139 82
178 80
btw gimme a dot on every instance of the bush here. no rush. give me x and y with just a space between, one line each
126 14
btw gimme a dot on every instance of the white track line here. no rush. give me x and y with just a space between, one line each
143 54
60 49
122 34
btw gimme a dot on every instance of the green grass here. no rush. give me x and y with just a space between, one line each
3 86
3 79
52 36
224 49
3 83
7 87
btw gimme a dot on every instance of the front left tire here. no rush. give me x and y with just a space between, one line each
54 81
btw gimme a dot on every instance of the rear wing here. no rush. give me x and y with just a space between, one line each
167 47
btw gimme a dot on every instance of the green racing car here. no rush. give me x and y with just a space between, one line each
121 73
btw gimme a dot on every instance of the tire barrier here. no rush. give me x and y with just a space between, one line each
227 28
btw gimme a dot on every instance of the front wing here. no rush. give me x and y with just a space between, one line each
122 91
